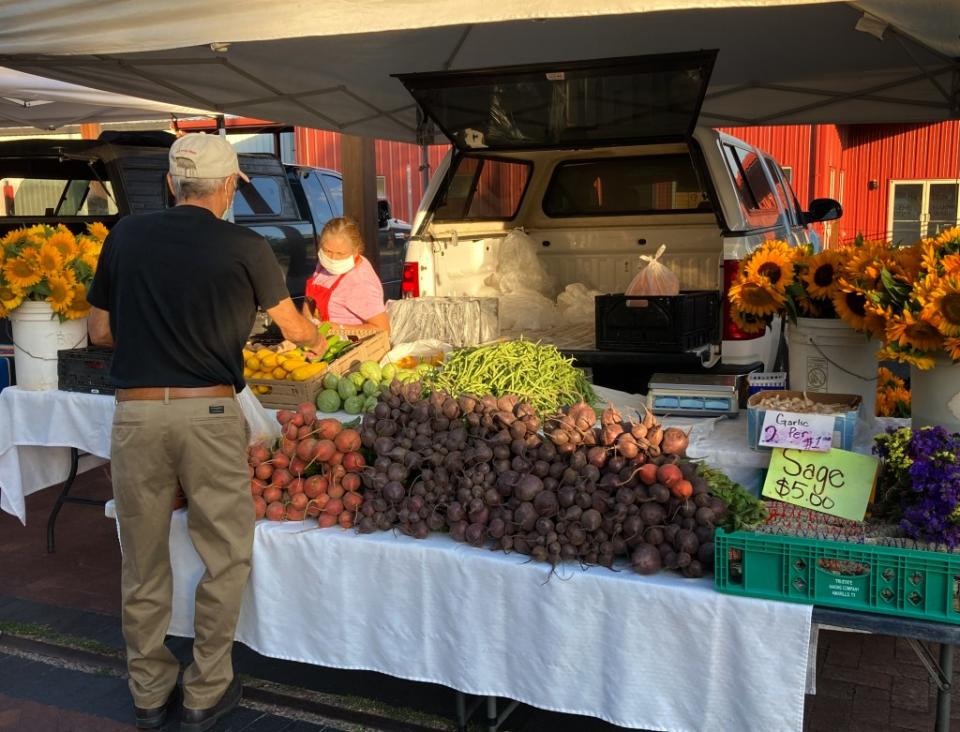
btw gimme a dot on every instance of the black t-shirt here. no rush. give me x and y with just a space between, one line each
182 288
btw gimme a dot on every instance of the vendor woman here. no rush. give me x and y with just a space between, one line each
345 290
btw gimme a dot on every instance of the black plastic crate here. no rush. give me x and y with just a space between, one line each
669 323
85 370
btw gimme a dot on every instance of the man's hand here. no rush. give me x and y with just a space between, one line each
297 328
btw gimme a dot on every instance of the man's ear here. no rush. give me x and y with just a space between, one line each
170 185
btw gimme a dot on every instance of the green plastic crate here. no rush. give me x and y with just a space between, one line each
877 579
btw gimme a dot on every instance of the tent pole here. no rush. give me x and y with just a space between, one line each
359 166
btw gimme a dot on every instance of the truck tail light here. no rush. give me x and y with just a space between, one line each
730 330
410 283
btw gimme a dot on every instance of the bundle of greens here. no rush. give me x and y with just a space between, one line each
743 510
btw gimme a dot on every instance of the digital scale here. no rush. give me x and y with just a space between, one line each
695 395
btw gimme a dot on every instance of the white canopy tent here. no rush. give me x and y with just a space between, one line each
27 100
329 64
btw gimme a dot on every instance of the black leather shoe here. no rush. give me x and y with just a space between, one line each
200 720
155 717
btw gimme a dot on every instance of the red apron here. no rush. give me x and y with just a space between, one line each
321 296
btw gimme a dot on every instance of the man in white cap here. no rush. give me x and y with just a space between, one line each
176 292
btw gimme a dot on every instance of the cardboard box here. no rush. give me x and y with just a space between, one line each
844 425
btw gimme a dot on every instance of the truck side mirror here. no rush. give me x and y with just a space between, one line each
822 209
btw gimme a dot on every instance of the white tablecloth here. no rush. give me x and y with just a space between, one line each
655 652
38 428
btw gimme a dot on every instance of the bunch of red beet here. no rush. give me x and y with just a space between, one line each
314 471
481 468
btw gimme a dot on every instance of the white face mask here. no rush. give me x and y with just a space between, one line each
336 266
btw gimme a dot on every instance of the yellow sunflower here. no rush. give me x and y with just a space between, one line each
821 274
10 298
78 306
948 236
810 308
885 378
951 264
875 320
922 361
851 305
50 260
755 295
942 308
22 271
907 331
907 262
97 230
65 243
952 347
90 253
867 260
747 322
774 262
61 291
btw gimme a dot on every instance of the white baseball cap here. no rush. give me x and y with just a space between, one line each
197 155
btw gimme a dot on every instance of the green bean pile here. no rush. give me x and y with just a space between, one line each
540 375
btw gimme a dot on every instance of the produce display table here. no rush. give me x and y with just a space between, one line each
656 652
43 433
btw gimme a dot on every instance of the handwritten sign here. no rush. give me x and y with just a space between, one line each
799 431
837 482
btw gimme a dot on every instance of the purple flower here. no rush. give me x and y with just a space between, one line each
930 506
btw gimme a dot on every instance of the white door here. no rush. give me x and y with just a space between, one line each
922 208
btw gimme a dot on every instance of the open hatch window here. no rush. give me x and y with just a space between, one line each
567 104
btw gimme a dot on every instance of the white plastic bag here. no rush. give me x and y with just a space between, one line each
263 427
519 267
424 348
577 304
654 279
527 311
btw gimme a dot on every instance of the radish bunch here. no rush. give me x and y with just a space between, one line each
313 472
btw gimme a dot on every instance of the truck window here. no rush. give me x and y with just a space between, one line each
335 188
790 205
260 197
484 189
757 199
52 197
643 184
317 199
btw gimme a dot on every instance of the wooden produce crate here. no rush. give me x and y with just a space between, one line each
286 394
374 345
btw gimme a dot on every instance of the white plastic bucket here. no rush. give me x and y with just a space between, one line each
935 395
37 336
827 355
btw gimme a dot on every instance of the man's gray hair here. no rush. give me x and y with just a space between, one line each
187 188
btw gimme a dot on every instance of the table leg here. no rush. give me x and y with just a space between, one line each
461 712
65 497
944 692
492 723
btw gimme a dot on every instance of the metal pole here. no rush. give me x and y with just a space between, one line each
943 695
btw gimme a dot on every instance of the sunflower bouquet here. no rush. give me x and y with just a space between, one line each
46 263
893 396
778 279
915 293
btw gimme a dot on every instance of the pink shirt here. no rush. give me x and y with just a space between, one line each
358 297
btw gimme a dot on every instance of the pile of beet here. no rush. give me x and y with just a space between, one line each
486 470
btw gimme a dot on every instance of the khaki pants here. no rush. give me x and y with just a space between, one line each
202 443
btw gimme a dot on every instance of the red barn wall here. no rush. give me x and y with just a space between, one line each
885 153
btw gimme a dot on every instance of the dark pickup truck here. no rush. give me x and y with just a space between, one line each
75 182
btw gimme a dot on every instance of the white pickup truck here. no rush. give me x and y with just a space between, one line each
599 162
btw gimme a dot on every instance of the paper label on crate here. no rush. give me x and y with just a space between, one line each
799 431
838 482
